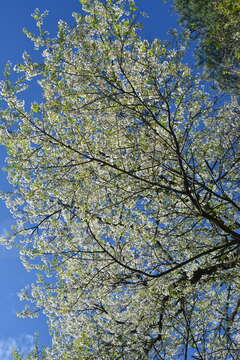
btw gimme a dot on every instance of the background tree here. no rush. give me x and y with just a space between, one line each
126 193
36 353
216 25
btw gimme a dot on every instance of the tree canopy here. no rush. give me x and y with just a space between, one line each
216 24
36 353
126 193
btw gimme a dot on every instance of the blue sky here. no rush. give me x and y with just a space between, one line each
14 16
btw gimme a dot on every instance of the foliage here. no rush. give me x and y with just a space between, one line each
216 23
126 182
36 353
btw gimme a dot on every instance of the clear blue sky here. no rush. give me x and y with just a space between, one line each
14 16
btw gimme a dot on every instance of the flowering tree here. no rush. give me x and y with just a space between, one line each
126 183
